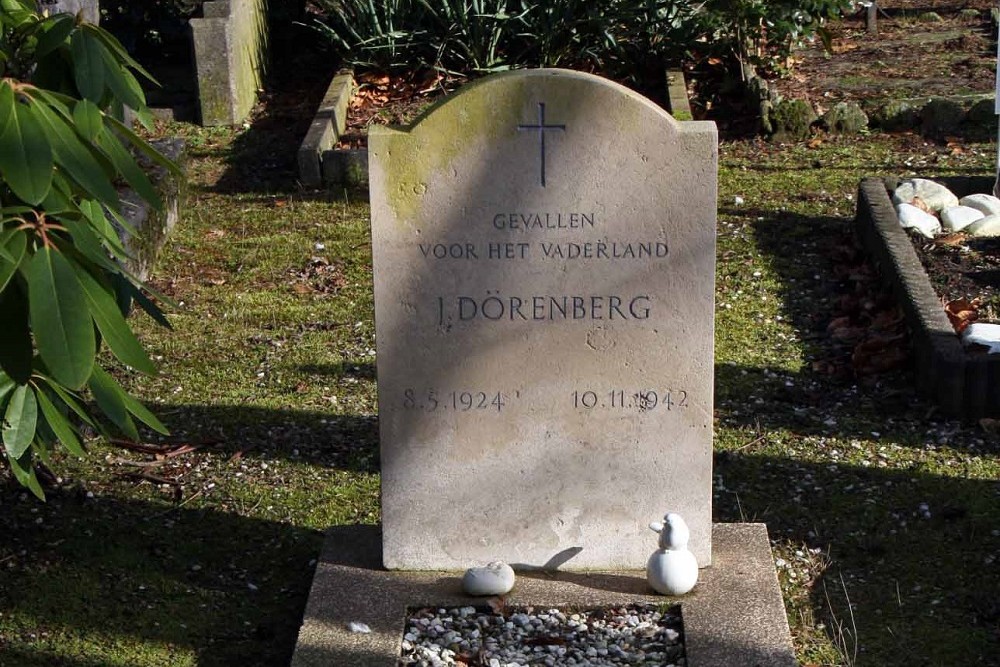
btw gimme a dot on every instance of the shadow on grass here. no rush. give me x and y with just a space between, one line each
916 551
264 157
98 581
348 442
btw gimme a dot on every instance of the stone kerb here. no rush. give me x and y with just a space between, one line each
321 163
314 159
963 385
544 252
230 47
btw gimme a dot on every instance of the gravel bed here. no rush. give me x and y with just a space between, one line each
630 635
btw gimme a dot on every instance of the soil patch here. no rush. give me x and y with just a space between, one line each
963 267
913 55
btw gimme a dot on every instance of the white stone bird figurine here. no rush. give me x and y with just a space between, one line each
672 569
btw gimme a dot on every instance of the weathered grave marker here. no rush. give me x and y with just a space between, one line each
544 256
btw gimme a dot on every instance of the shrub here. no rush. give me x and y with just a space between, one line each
63 291
616 36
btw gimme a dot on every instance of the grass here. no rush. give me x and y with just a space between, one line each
883 515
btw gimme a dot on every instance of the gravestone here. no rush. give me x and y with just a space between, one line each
90 9
544 260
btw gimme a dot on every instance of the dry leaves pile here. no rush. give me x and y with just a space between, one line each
383 99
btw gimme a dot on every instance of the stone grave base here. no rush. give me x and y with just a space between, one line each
734 617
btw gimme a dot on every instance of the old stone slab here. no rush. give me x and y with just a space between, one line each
544 259
733 618
230 46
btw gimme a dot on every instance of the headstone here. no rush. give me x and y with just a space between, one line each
230 45
90 8
544 260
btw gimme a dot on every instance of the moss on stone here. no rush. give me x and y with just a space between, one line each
896 116
941 117
791 120
845 118
981 120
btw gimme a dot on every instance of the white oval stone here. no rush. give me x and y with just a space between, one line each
957 218
935 195
497 578
911 217
988 226
983 333
988 204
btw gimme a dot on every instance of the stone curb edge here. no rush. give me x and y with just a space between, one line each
328 124
321 164
963 386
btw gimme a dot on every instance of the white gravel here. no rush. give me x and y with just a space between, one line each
631 635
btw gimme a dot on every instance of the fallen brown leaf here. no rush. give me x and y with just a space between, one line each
962 312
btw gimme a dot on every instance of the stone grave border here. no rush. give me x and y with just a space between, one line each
963 385
321 164
735 616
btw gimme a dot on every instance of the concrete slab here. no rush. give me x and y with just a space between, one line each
734 617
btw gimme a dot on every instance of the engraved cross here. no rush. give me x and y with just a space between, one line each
541 127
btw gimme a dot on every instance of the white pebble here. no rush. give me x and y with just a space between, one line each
957 218
911 217
988 204
988 226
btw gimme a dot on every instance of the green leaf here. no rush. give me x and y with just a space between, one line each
24 472
114 329
60 319
60 426
115 47
122 83
6 105
13 246
88 243
27 157
56 30
128 168
88 65
16 351
20 421
111 399
69 398
7 385
144 415
132 293
60 197
143 146
88 118
75 157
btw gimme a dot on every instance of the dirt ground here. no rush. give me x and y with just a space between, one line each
913 55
